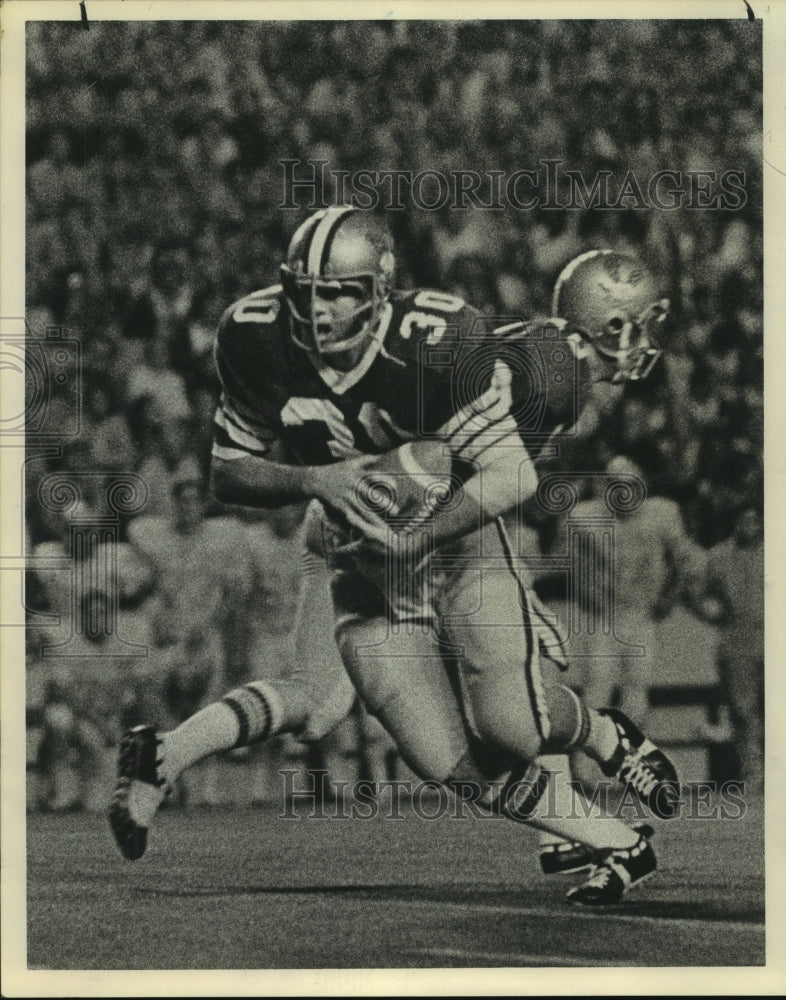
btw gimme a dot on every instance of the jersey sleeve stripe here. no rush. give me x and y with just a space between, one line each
233 428
508 437
244 423
513 331
225 428
228 454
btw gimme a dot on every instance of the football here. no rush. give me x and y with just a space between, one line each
412 479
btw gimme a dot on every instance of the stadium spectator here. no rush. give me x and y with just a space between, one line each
633 578
734 599
193 560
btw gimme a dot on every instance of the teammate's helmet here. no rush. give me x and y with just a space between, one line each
337 252
613 302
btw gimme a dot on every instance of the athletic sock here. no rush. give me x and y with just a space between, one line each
573 724
249 714
602 738
564 813
564 821
557 793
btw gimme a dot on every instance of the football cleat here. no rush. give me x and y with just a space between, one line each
615 874
138 793
570 856
640 765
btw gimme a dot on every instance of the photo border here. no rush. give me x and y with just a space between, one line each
17 980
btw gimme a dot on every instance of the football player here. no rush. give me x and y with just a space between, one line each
405 416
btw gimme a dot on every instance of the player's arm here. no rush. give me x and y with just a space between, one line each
259 482
481 442
506 478
485 437
247 462
249 467
264 482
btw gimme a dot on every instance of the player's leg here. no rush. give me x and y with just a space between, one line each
408 690
399 673
598 677
495 619
558 855
401 680
309 701
565 795
511 707
377 753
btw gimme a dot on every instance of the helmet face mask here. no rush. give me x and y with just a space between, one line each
611 301
330 316
629 342
336 280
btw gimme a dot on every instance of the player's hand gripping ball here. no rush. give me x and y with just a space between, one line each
411 483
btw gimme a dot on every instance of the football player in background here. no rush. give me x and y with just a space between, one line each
409 409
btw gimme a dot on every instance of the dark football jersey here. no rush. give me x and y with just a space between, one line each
436 368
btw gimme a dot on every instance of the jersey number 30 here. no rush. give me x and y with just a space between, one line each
377 423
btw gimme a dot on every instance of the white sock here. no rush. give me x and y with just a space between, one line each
557 792
602 739
598 832
564 810
249 714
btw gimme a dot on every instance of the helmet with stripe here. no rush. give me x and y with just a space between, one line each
612 302
337 276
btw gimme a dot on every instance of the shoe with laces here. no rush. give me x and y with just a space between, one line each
568 857
640 765
615 874
139 791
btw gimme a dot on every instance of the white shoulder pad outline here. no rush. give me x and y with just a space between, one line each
524 327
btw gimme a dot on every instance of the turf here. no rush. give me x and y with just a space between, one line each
247 889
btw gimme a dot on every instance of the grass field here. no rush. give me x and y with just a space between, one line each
246 889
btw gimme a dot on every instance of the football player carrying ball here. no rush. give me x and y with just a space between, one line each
412 423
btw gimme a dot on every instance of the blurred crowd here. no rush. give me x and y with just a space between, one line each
153 193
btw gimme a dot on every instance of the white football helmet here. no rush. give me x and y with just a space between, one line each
337 252
612 301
